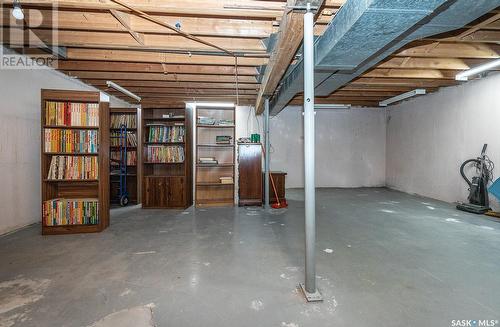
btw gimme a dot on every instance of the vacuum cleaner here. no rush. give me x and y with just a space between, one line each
478 191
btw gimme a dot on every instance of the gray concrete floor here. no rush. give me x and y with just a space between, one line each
398 260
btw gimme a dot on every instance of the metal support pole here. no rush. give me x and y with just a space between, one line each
267 157
309 288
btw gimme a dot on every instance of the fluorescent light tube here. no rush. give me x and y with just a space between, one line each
332 106
464 76
123 90
401 97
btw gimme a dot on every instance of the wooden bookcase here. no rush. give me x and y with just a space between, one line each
166 184
76 189
209 190
132 171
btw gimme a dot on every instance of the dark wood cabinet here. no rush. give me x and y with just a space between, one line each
176 192
250 170
279 182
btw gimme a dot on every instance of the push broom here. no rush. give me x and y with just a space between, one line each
279 204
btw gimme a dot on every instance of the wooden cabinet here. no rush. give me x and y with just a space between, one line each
279 182
162 192
250 170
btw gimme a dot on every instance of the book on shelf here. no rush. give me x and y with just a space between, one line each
128 120
226 180
131 158
164 154
115 138
225 122
60 212
202 120
223 139
163 134
67 140
71 114
73 167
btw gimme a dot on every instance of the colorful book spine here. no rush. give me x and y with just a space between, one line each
131 158
65 140
60 212
73 167
129 120
164 134
131 138
164 154
71 114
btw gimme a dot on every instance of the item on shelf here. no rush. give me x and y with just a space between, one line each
223 139
244 140
225 122
131 139
67 140
73 167
129 120
71 114
172 115
131 158
226 180
206 120
165 134
60 212
164 154
255 138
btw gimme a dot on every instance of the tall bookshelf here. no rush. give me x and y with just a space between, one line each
75 162
166 159
215 178
128 117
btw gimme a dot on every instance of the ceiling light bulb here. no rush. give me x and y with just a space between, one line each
17 12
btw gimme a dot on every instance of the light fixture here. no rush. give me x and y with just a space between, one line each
17 11
123 90
332 106
215 104
401 97
464 76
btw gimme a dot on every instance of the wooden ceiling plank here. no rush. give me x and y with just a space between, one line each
160 77
450 50
158 57
109 66
169 84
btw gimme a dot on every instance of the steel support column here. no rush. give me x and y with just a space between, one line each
309 288
267 157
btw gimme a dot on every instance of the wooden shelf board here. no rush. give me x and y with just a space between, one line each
118 129
214 126
166 119
164 143
70 127
128 147
214 184
163 163
70 229
216 145
70 154
71 180
214 165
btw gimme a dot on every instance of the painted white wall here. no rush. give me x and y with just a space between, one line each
429 137
350 147
20 141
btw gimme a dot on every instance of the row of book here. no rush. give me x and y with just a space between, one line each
131 158
67 140
164 134
60 212
164 154
73 167
71 114
131 138
128 120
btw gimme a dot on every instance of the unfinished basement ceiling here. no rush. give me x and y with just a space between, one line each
107 41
